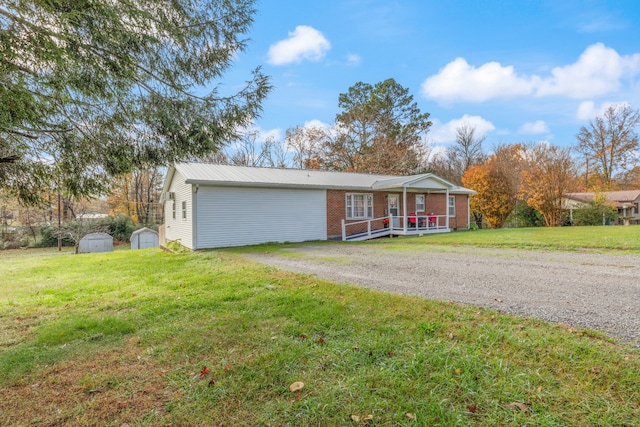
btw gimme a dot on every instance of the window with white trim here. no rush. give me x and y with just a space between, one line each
359 206
184 210
452 205
419 202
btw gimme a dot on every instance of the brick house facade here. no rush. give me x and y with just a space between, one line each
434 204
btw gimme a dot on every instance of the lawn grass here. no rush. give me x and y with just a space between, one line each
151 338
609 238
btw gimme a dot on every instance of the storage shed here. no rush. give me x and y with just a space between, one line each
95 242
144 238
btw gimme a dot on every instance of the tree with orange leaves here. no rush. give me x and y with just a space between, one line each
496 197
549 173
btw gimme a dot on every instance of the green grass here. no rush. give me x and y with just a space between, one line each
547 238
123 337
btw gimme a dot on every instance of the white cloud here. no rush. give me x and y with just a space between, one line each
304 43
587 110
534 128
598 71
459 81
446 132
353 59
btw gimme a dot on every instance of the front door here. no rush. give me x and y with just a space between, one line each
394 209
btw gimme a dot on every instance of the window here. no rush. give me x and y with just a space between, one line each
359 206
452 205
419 202
184 210
173 210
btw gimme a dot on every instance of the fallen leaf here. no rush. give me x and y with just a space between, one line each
302 336
539 390
204 371
518 405
410 416
390 353
298 385
355 418
497 300
458 371
473 408
596 370
356 348
212 382
320 340
227 367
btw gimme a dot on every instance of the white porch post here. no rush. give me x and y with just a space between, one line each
404 209
344 230
447 208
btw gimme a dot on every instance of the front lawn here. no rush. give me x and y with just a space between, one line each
547 238
210 338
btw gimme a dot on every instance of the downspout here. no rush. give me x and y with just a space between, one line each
194 217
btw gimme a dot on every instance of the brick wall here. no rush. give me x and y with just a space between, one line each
436 203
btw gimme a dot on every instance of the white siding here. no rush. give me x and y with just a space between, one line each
238 216
179 228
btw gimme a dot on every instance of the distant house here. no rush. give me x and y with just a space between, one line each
211 206
626 202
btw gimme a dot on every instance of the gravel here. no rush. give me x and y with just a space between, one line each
589 290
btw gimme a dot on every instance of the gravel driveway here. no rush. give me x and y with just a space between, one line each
594 291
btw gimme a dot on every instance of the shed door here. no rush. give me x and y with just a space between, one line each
146 240
97 245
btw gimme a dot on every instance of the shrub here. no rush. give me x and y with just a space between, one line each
595 213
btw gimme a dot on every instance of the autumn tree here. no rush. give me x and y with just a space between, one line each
380 130
93 89
137 195
549 174
610 142
495 199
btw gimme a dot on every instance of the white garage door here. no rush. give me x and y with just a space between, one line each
232 216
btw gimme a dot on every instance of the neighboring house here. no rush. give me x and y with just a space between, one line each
211 206
626 202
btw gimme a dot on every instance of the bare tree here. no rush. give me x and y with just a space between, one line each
467 150
610 142
306 144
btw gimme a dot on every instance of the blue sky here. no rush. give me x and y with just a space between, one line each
519 71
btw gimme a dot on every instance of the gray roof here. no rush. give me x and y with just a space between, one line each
242 176
618 198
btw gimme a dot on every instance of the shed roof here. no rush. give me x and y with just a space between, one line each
226 175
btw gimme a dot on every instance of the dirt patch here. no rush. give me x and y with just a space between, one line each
120 386
589 290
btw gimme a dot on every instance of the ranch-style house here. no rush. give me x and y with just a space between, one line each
213 206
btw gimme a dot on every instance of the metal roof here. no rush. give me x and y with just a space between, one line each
619 198
226 175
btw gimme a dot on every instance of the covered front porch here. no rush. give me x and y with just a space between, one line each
406 225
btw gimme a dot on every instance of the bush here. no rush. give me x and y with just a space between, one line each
595 213
48 237
120 227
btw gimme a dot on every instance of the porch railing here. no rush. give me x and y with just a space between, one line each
405 224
